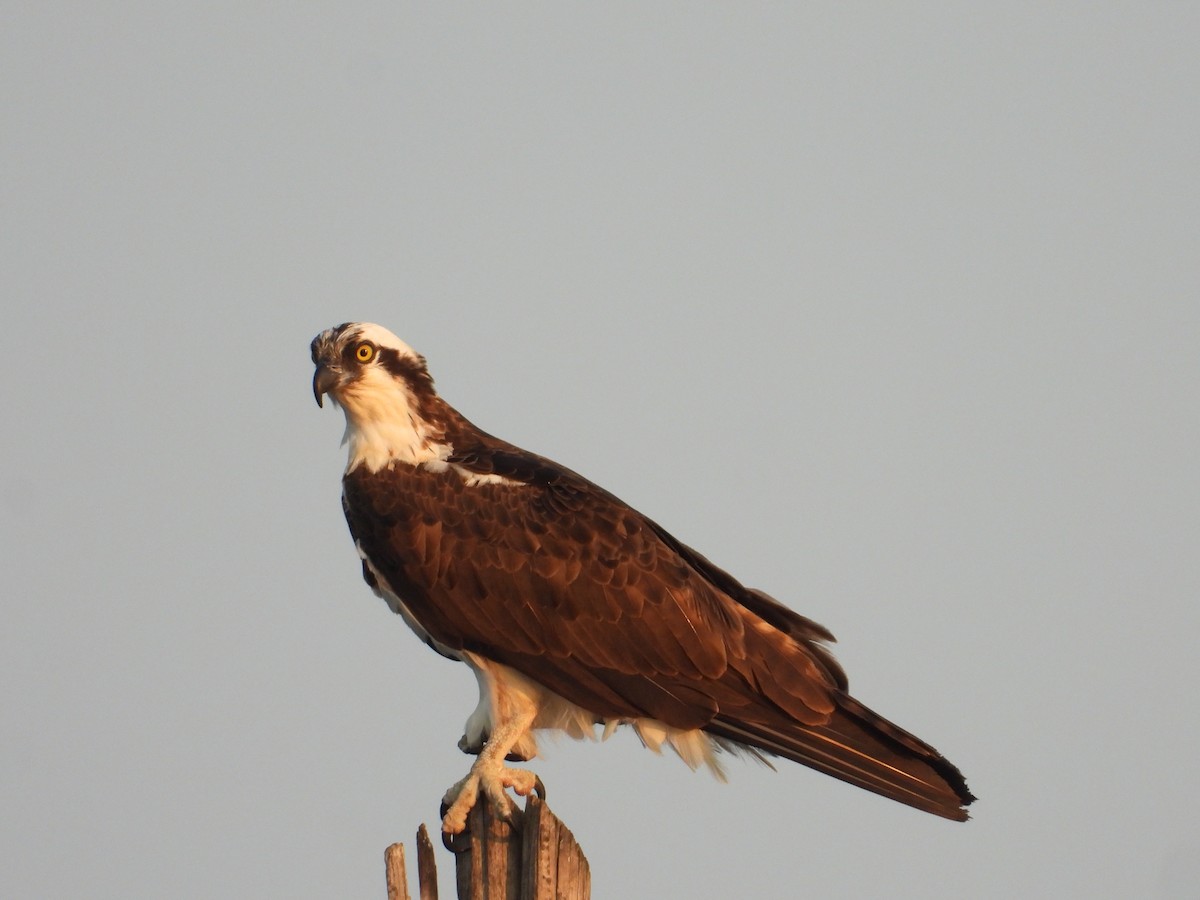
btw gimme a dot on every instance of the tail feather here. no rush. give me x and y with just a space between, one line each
862 748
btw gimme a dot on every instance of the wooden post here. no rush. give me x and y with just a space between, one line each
426 865
554 867
488 863
538 859
397 875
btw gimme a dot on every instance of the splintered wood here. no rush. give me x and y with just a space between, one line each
538 859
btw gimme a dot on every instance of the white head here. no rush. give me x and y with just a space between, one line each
384 388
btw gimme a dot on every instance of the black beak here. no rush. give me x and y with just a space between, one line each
324 380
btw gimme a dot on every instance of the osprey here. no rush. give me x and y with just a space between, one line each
574 610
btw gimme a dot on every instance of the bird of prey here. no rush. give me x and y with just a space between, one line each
576 611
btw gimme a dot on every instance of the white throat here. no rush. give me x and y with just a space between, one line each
382 425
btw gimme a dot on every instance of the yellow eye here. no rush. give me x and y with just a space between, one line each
365 353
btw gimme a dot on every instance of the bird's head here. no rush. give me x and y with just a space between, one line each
384 388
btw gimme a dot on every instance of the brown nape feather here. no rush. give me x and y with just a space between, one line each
861 748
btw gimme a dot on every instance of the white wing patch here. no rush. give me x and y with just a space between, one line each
474 479
471 479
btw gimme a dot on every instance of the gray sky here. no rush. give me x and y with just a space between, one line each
894 314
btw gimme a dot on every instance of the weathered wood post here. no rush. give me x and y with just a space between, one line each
537 859
397 874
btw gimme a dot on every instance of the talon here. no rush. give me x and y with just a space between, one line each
509 814
457 804
488 780
457 843
468 748
539 788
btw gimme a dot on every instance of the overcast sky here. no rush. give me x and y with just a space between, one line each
894 313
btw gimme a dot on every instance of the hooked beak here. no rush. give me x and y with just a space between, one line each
325 380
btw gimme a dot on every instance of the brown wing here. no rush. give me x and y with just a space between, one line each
557 578
560 580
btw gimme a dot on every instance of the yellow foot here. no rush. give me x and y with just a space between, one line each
493 780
